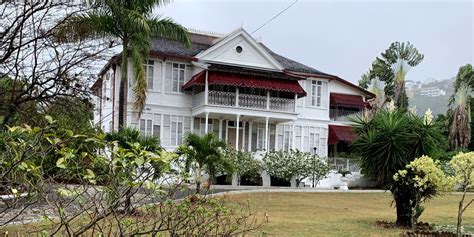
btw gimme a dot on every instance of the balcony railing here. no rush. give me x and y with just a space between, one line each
249 101
339 163
343 115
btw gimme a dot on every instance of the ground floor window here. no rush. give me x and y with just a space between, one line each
170 128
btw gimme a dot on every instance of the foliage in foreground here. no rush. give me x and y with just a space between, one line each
133 202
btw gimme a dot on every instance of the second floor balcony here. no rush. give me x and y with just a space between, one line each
242 88
246 101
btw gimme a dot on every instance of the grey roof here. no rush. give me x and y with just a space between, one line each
171 47
203 42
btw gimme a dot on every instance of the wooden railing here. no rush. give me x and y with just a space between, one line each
343 115
246 101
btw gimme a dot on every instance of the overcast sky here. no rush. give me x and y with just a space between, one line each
344 37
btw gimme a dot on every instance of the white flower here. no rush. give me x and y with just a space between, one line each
428 117
391 106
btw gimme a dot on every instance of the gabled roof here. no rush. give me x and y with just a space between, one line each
201 42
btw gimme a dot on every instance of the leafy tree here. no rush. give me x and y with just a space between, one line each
465 76
463 165
133 23
205 153
460 119
244 163
294 164
390 141
391 68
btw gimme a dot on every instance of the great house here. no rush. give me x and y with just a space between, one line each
236 87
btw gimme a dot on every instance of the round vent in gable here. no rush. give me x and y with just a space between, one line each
238 49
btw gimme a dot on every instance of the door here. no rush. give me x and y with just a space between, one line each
231 137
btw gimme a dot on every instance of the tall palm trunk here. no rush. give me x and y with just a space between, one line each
123 87
198 179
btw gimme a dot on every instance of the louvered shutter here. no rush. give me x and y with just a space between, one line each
168 77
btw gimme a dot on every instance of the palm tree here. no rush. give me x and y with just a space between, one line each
133 23
460 119
390 141
207 153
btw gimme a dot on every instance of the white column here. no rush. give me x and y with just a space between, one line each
206 123
236 97
243 135
266 134
192 124
206 91
220 129
250 137
293 135
268 100
237 132
296 102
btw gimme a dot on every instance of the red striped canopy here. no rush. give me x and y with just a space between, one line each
240 80
344 100
340 133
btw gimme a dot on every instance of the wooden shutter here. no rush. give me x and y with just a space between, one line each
168 77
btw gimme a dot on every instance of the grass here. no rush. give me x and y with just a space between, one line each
333 214
341 214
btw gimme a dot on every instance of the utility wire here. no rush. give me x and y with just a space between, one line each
274 17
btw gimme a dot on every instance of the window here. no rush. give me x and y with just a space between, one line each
149 65
316 91
146 126
178 76
175 128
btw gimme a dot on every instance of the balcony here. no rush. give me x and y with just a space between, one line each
245 101
344 115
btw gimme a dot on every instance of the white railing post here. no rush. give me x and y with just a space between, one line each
237 97
206 90
268 100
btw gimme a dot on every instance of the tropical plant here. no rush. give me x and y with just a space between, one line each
133 23
421 180
344 172
204 153
390 141
463 165
459 116
465 76
391 68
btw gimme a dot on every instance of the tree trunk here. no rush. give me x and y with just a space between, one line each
198 180
122 120
404 217
459 224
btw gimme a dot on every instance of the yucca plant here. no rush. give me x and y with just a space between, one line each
388 142
460 119
133 23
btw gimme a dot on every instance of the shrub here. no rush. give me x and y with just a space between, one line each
295 164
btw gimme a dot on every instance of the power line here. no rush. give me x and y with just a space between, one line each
274 17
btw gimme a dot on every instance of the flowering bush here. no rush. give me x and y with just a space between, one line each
295 164
422 179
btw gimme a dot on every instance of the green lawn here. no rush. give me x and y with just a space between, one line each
341 214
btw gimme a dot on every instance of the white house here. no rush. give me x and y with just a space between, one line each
254 98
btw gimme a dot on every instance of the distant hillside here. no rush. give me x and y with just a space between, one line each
439 105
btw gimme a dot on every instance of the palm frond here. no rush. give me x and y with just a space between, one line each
167 28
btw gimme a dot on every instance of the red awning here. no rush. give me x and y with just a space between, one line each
230 79
354 101
340 133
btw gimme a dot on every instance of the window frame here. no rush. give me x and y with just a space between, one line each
316 95
179 70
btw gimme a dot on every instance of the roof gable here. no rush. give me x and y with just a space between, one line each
239 48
